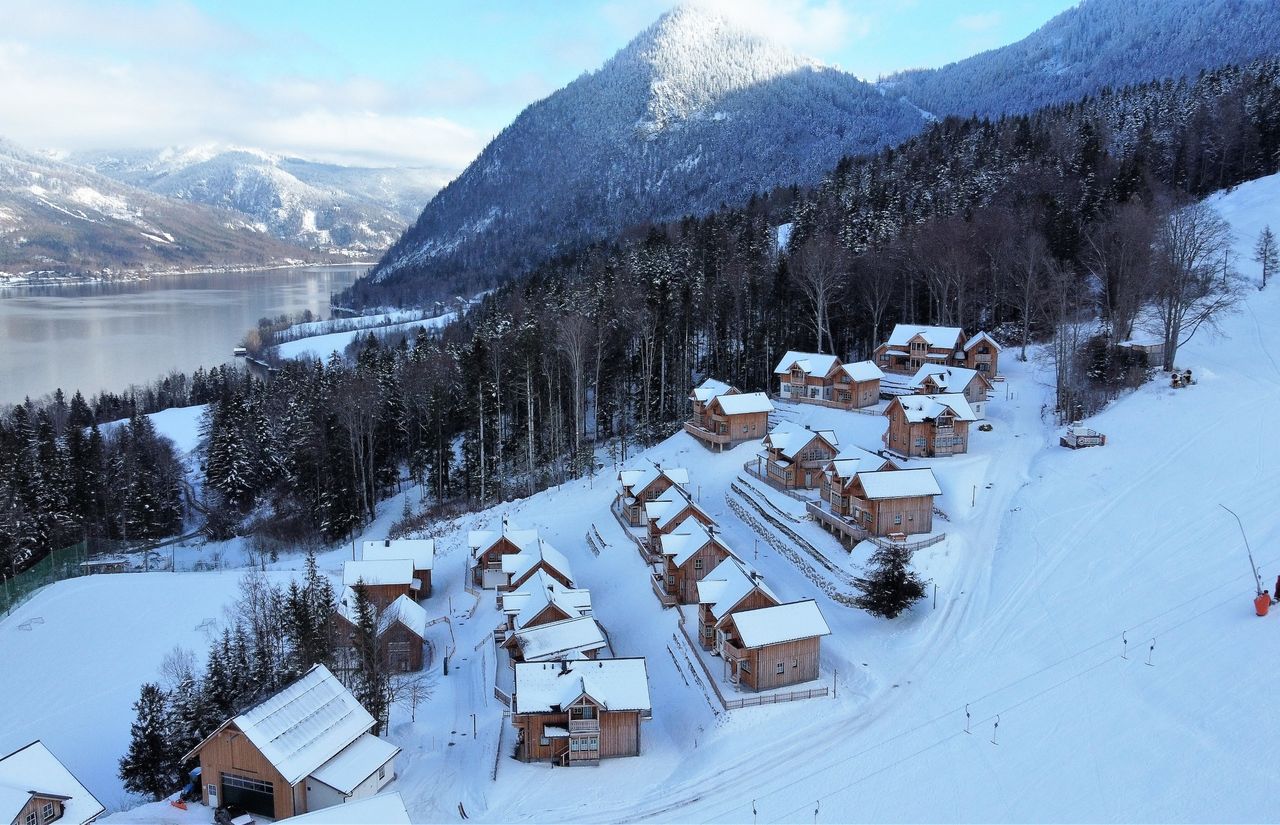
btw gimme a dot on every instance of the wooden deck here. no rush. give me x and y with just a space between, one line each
848 532
706 436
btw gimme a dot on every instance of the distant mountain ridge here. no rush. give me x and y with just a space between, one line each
1097 44
355 211
63 220
693 113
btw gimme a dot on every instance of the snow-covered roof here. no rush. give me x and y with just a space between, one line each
982 336
780 623
481 540
690 537
670 512
519 564
615 684
933 336
542 590
811 363
380 571
305 725
710 388
860 371
853 459
947 379
899 484
408 613
790 438
928 407
745 402
567 638
421 551
383 809
638 480
355 763
34 770
728 583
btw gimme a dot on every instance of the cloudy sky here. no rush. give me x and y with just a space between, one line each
400 82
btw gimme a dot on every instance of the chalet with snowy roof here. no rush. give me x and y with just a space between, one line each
795 456
567 639
384 580
422 552
911 346
401 633
666 514
489 546
308 747
775 646
689 552
383 809
732 419
840 471
928 425
822 379
542 600
646 484
888 502
704 392
36 788
518 568
577 713
732 586
936 379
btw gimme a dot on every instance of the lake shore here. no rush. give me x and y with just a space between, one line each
9 280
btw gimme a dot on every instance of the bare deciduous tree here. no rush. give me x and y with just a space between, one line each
817 267
1266 254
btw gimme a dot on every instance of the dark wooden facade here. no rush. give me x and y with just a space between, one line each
770 666
633 510
707 623
40 809
941 436
805 469
599 734
882 517
719 430
682 580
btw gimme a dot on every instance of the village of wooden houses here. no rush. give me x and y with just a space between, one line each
670 592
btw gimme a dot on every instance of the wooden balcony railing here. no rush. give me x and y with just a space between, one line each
584 725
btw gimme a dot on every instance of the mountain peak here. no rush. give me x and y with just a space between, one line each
694 55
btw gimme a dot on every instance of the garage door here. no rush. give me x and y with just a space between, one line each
254 795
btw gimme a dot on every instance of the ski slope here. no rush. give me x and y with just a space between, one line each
1053 560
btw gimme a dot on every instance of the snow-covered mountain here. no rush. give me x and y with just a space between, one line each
65 220
358 211
1096 44
692 113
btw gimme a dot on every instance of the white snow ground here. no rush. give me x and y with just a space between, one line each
322 345
1062 557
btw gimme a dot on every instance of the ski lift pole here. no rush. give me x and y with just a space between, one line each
1257 579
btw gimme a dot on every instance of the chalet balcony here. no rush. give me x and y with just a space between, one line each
731 652
833 523
696 430
667 599
584 726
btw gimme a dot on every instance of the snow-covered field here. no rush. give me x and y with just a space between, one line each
1053 560
322 345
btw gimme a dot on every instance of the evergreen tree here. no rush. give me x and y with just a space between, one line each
150 766
188 721
371 681
892 586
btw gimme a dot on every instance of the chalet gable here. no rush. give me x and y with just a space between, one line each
791 440
33 773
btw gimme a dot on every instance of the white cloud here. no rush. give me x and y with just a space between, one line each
979 22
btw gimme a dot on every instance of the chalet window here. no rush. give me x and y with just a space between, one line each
897 519
697 564
746 429
795 662
746 666
918 346
46 812
984 350
782 668
382 772
884 356
544 741
31 818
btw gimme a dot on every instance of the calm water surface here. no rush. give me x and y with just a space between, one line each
107 336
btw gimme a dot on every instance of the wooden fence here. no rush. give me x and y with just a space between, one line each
776 698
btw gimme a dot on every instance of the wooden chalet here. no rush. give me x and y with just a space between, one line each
635 487
384 580
732 586
732 419
308 747
702 394
542 599
578 638
839 472
816 378
928 425
36 788
422 552
772 647
489 546
577 713
518 568
911 346
888 502
665 514
689 552
402 633
796 456
935 379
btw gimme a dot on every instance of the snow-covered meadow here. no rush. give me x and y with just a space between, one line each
1060 572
